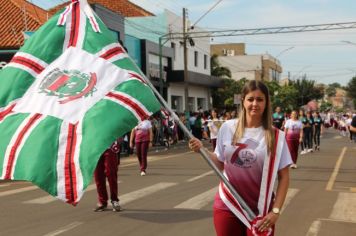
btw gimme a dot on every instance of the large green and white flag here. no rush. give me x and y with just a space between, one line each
68 93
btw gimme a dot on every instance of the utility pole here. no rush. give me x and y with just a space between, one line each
160 67
262 69
185 55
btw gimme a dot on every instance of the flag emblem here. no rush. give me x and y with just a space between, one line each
68 85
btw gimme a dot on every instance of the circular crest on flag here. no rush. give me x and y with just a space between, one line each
68 85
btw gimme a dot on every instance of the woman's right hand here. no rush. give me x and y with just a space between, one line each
195 144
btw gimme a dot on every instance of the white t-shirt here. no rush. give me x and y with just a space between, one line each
214 126
348 121
244 167
145 124
294 127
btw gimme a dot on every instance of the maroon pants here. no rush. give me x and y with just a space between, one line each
227 224
213 142
107 168
293 145
141 150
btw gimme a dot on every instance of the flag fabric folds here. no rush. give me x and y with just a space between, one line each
68 93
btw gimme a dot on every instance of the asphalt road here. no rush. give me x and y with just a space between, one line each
175 198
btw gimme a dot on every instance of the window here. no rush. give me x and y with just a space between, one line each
177 103
196 58
173 45
191 104
202 103
205 61
274 75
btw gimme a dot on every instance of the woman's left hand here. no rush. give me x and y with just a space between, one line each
267 222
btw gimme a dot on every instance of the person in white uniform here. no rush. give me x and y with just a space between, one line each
248 148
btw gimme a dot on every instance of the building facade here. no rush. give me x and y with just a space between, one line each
260 67
183 94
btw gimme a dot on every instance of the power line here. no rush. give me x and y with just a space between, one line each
272 30
298 45
192 27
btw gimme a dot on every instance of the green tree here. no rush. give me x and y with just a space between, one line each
287 98
325 106
282 96
351 89
307 91
224 96
330 91
218 70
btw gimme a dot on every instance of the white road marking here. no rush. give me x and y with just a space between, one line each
199 201
290 194
152 159
48 199
314 228
335 220
200 176
129 197
332 179
345 207
19 190
64 229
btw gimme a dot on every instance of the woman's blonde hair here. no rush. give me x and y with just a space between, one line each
266 117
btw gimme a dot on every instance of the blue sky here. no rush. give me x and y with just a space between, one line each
322 56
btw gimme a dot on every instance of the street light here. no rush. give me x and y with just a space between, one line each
285 50
278 55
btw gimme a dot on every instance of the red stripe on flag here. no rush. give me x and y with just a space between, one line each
63 15
92 20
17 143
28 63
137 77
69 165
142 114
271 170
6 112
59 82
112 52
74 31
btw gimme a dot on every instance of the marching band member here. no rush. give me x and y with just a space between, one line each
294 136
142 135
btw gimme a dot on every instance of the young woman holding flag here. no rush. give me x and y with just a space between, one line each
251 154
